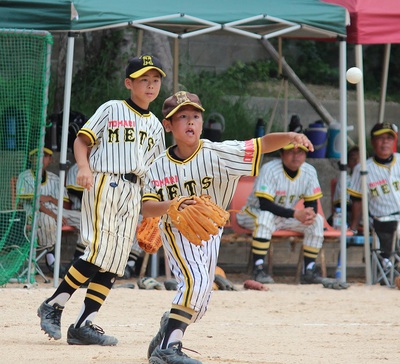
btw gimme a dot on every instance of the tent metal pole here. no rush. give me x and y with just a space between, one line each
139 42
363 160
385 71
176 66
63 151
343 155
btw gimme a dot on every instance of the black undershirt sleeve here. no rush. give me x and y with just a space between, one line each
268 205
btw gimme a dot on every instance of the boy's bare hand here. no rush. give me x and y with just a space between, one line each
301 139
84 177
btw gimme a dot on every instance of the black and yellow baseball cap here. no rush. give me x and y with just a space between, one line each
382 128
291 146
137 66
173 103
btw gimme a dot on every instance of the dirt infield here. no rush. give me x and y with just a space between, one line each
287 324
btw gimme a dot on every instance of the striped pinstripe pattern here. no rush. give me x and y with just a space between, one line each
50 186
274 184
123 141
383 184
213 169
109 222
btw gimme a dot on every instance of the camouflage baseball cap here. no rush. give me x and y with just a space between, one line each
137 66
173 103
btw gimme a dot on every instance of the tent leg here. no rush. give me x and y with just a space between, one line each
363 159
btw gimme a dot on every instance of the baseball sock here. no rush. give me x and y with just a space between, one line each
310 256
96 294
179 319
259 249
77 274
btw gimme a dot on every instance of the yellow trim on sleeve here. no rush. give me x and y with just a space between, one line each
265 195
151 197
354 193
89 133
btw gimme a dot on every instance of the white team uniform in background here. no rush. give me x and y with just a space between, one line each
274 184
383 183
47 225
71 184
123 141
214 169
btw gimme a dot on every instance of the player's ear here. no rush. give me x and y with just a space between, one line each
128 83
167 124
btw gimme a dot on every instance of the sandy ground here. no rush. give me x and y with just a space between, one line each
287 324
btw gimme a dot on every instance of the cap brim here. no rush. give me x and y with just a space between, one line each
173 111
384 131
144 70
291 146
45 150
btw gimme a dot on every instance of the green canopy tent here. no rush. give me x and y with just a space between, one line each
257 19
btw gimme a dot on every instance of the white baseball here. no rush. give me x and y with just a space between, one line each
354 75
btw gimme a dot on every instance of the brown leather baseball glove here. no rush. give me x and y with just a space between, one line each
257 286
397 282
198 221
148 235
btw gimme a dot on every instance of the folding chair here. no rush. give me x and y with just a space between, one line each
15 246
381 273
18 240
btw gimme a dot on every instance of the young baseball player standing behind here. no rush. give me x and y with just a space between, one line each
113 151
192 167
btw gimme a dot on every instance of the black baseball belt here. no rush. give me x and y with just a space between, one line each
130 177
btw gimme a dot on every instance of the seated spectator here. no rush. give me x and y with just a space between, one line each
280 185
383 181
48 205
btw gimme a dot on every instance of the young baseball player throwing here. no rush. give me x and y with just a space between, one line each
113 151
194 167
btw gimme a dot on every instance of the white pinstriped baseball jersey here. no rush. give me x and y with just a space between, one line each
49 187
213 169
47 225
124 140
336 194
71 184
383 183
276 185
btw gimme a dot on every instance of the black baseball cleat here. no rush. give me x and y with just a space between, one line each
311 276
89 334
156 341
50 319
172 355
262 277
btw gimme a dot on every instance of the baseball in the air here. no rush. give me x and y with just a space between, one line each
354 75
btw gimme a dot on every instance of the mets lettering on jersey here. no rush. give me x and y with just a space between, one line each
122 139
383 182
214 169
